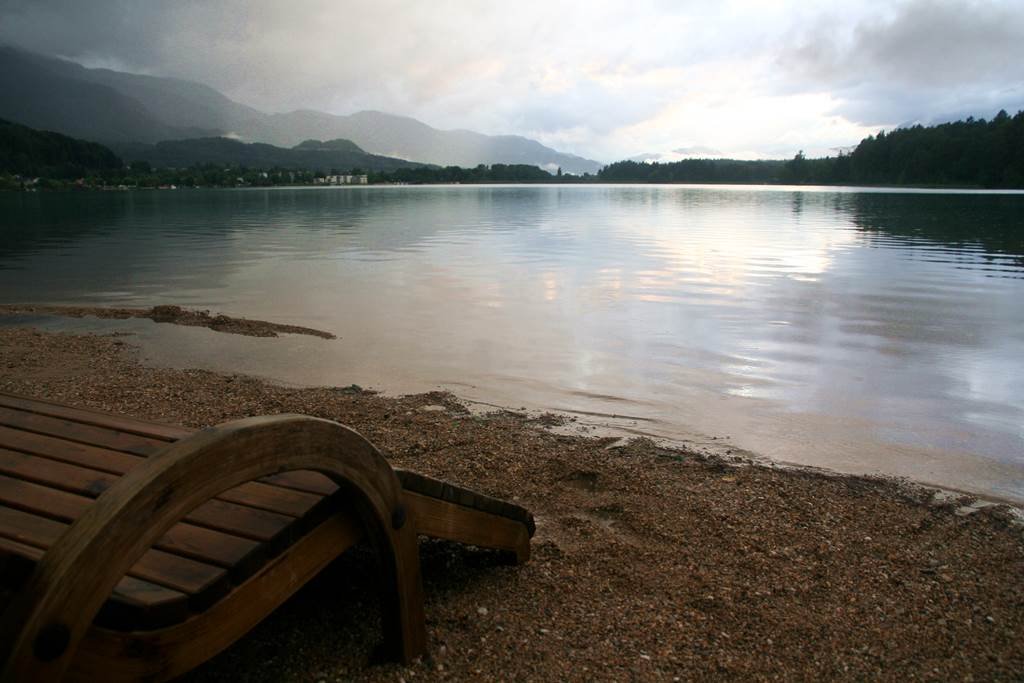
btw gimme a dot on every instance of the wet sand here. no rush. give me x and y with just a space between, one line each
649 563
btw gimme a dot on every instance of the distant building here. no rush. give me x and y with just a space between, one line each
342 180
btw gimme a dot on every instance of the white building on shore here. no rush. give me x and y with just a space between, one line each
342 180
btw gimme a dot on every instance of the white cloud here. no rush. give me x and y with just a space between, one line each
607 80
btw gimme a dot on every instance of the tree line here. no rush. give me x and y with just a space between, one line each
969 153
25 151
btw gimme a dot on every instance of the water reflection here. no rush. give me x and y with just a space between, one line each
989 227
871 329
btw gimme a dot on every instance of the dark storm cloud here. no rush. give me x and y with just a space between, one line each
606 78
129 32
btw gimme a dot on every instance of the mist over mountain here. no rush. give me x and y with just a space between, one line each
115 107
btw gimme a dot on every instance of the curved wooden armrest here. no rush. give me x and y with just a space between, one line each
43 626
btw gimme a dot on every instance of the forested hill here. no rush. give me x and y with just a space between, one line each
311 155
971 153
694 171
29 152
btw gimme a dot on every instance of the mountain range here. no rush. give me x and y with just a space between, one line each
114 107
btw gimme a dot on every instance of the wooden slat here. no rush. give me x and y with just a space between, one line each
160 655
135 603
135 444
55 474
241 555
268 527
441 490
228 517
88 434
201 582
117 422
139 605
454 522
253 494
272 498
84 427
303 480
115 432
92 457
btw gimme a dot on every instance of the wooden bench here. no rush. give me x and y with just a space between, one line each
135 550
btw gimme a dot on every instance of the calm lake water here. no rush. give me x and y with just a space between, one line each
862 330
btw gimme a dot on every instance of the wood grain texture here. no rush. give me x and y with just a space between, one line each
61 491
105 431
42 628
198 579
71 430
443 490
454 522
254 494
200 543
117 656
134 600
147 428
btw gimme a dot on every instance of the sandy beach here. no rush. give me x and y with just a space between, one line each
648 563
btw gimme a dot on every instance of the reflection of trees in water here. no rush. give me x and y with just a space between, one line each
964 222
113 241
32 221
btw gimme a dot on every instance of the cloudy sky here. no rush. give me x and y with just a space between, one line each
607 80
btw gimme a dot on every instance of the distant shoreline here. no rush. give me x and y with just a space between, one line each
70 187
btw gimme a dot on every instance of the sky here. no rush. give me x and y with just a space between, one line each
657 79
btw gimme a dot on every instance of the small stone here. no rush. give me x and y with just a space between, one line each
990 619
482 611
544 631
432 409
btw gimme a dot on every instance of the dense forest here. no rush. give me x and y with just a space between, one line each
971 153
25 151
695 171
495 173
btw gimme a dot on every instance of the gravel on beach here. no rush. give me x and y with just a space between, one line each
648 563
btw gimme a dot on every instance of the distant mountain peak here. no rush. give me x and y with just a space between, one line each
113 106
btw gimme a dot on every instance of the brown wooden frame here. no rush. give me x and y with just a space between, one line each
52 614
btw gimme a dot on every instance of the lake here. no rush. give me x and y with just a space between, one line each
861 330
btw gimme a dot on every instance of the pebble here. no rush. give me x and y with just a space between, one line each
615 595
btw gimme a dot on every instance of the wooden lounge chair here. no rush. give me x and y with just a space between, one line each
137 550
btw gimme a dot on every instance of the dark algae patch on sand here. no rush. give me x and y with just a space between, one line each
176 315
648 564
